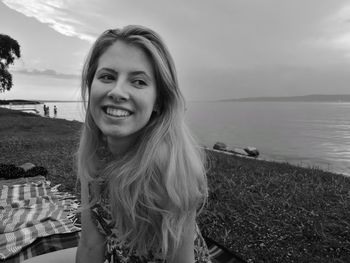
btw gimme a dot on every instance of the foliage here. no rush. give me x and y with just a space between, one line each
9 50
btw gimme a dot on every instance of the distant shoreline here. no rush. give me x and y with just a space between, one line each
18 102
29 102
45 101
306 98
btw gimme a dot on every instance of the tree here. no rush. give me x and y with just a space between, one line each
9 50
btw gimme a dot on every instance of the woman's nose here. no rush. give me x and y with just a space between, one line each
119 91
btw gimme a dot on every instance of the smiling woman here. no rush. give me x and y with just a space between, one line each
142 175
123 94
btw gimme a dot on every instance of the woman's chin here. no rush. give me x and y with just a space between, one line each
115 134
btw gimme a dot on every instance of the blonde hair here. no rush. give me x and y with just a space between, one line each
155 187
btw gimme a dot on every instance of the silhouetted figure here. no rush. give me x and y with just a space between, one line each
46 111
55 111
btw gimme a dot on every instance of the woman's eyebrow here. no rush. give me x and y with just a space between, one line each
140 72
132 73
108 69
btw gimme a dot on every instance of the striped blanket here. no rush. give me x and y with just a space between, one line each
45 245
36 219
30 209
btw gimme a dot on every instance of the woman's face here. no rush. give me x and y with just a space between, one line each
123 92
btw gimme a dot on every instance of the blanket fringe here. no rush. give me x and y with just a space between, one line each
73 207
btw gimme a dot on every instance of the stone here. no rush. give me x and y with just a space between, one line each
220 146
252 151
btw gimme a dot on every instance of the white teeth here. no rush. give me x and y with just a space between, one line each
117 112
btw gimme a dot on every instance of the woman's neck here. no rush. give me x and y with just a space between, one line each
119 147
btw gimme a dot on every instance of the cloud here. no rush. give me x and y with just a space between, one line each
336 31
342 41
211 35
55 13
47 72
342 23
265 82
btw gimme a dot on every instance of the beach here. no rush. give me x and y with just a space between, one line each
263 211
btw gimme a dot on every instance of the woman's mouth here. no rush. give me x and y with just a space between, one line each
115 112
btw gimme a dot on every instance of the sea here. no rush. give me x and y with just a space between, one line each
308 134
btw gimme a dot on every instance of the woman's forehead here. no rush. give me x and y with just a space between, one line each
121 55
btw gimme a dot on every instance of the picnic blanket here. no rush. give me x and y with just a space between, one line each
36 219
220 254
29 209
45 245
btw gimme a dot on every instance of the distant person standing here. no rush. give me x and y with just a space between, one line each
55 111
44 108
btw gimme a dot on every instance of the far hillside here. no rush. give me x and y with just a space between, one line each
18 102
307 98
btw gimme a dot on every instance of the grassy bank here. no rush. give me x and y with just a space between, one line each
263 211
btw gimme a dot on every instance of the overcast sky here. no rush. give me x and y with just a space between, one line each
222 49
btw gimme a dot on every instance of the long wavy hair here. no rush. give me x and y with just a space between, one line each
155 187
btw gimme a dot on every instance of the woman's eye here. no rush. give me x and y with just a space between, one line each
106 78
139 82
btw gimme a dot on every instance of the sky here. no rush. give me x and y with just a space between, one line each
222 49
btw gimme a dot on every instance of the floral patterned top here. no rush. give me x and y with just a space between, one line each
118 252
